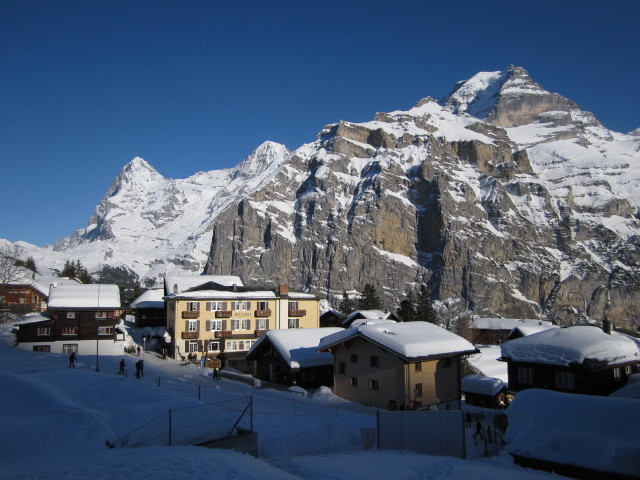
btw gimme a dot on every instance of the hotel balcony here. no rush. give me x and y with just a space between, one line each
262 313
223 313
189 335
297 313
190 314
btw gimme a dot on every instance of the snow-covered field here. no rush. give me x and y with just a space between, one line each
55 422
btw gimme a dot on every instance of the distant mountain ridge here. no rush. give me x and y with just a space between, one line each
503 198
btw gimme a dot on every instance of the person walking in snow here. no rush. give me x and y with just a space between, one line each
139 369
72 360
138 350
121 371
216 374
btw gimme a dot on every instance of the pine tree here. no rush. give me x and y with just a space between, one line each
347 306
369 299
30 263
407 309
424 308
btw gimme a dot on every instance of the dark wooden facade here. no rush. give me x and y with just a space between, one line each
271 367
70 325
20 299
592 378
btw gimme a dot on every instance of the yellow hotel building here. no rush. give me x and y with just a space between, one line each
217 317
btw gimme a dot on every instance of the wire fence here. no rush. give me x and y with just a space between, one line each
190 425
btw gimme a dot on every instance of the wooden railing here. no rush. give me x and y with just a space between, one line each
223 313
262 313
223 333
297 313
190 314
189 335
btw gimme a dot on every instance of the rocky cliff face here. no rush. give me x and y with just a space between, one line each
503 198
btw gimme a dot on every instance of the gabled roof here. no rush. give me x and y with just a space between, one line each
572 345
94 296
367 315
411 341
482 385
151 298
297 346
41 283
182 283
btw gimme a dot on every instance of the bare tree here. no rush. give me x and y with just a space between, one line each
10 258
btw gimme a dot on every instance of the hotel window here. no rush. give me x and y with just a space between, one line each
215 325
293 305
418 366
71 314
241 305
44 331
214 306
262 324
192 346
69 330
353 381
374 361
565 380
192 325
214 346
374 385
232 345
241 324
294 323
193 306
263 305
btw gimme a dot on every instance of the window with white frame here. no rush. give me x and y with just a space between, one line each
215 306
192 325
263 305
104 314
105 330
565 380
235 324
232 345
44 331
69 348
193 306
71 314
293 305
261 324
241 305
294 323
245 324
215 325
213 346
192 346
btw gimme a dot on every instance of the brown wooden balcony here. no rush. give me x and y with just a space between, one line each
262 313
297 313
190 314
189 335
259 333
223 313
223 333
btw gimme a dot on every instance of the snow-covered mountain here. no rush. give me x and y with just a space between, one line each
505 199
154 225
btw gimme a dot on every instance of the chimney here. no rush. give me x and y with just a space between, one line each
283 290
606 325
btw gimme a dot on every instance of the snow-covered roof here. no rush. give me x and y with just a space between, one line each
31 318
487 362
182 282
482 385
42 283
85 296
300 296
525 330
505 323
589 431
572 345
223 295
299 346
410 340
152 298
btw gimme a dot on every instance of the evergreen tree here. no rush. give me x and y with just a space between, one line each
424 308
347 305
369 299
30 263
75 270
407 309
69 269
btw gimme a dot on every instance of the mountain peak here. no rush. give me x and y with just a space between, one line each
261 158
506 98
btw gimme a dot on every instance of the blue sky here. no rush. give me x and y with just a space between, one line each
191 85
